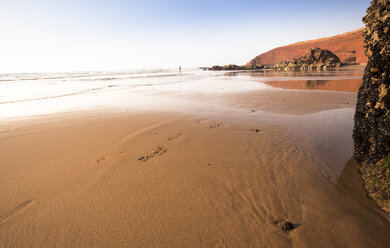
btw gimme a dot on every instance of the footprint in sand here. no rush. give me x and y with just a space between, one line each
177 136
157 152
215 126
20 208
110 156
201 121
220 244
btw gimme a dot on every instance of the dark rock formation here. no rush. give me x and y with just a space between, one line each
314 59
286 226
372 117
234 67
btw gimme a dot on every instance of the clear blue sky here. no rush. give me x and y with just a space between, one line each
39 35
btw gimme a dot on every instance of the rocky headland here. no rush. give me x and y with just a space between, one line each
372 117
349 47
314 59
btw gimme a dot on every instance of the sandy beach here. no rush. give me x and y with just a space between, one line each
213 168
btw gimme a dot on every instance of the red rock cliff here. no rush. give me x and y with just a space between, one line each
349 47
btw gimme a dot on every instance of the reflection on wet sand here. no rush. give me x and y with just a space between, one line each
347 85
346 71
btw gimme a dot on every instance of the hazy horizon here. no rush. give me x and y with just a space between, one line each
52 36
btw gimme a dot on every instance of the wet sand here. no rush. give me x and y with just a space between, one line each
169 179
349 85
223 169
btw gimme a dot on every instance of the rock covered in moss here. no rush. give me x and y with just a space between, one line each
314 59
376 178
372 117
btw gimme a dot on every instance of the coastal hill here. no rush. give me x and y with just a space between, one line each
349 47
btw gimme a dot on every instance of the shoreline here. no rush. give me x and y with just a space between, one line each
213 161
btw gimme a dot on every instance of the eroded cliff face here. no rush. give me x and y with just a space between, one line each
372 117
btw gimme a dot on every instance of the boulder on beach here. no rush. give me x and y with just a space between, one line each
314 59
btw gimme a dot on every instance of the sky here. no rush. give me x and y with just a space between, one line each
82 35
